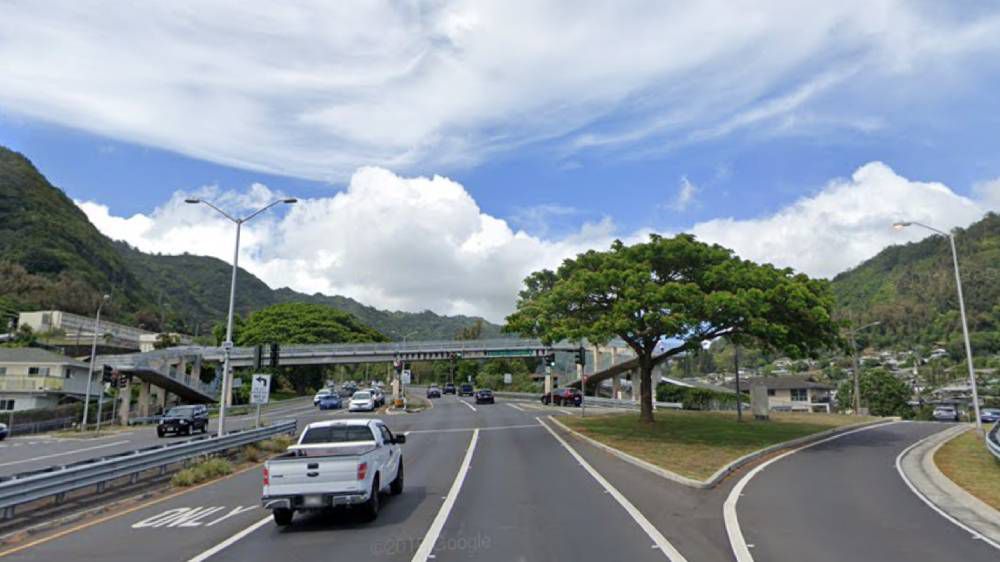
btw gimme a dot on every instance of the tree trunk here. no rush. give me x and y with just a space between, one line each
645 390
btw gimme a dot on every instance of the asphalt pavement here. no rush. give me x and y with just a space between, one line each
490 482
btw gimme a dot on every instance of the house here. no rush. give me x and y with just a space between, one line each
37 378
791 393
74 334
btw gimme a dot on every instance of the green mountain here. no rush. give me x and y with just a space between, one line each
910 289
51 256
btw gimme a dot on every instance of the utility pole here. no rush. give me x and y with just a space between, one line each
739 393
93 356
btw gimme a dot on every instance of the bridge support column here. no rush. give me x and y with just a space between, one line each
195 372
161 400
144 397
124 404
616 381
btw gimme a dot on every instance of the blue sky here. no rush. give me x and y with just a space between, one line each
555 127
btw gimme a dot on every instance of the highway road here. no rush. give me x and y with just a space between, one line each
491 482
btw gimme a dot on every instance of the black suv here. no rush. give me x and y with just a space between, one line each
449 388
485 396
182 420
466 390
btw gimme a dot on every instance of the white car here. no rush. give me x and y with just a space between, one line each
335 463
362 401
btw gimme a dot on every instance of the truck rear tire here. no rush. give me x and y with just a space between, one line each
369 509
283 517
396 487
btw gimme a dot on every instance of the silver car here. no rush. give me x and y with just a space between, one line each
946 413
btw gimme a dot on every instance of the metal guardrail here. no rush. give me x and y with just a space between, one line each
593 401
993 440
56 482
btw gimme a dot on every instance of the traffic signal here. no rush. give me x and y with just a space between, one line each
275 349
106 373
398 366
550 360
258 358
581 356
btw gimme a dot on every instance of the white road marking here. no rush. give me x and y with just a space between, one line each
930 504
73 452
425 551
471 407
515 406
659 541
462 429
231 540
741 550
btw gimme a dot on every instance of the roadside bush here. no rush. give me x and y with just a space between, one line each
694 398
276 444
251 454
208 469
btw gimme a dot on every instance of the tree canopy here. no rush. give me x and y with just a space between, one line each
298 322
667 296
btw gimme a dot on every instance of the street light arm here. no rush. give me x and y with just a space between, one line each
262 209
220 211
922 225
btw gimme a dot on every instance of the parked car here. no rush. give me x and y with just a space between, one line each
449 388
433 391
945 413
362 401
348 389
989 415
320 395
4 432
182 420
335 463
563 397
331 402
485 396
466 390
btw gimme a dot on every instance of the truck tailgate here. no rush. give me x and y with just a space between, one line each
317 475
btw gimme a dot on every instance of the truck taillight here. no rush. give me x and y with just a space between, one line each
362 470
267 477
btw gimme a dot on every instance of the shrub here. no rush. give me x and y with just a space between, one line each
208 469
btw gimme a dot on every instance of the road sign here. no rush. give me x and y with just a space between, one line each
260 390
508 378
405 375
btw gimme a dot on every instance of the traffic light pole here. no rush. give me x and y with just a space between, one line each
100 406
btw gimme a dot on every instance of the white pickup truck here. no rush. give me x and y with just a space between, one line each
335 463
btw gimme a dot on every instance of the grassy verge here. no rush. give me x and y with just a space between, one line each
217 467
965 460
90 433
697 444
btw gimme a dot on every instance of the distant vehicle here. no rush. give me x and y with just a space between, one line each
335 463
466 390
377 395
433 391
989 415
182 420
348 389
563 397
449 388
320 395
945 413
331 402
485 396
4 432
362 401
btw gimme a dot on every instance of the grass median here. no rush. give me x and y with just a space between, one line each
697 444
965 460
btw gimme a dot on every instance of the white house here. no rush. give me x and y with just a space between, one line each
37 378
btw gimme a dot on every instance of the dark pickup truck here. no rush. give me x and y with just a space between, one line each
183 420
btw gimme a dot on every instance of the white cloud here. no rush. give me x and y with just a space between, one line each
317 89
423 243
685 196
846 222
388 241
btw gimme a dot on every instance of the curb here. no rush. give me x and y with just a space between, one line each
725 471
917 467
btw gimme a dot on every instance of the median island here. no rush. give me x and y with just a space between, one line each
966 462
697 444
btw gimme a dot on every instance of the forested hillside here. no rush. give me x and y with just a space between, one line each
911 290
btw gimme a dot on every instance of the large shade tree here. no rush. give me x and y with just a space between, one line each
667 296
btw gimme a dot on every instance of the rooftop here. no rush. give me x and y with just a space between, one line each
36 355
781 383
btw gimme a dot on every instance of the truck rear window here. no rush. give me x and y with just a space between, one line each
337 434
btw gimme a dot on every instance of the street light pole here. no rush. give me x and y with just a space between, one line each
961 308
93 356
857 366
227 346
